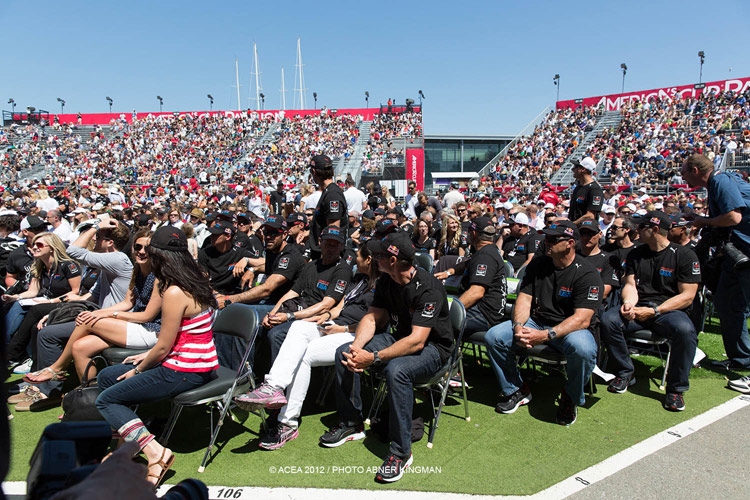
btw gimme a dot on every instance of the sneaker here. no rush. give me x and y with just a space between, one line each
457 381
510 404
567 411
23 367
266 396
729 364
741 384
341 434
278 437
393 468
674 402
620 385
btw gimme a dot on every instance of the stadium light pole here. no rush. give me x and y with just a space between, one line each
421 96
12 102
262 101
702 56
62 105
161 103
315 96
210 102
110 101
624 70
367 99
556 81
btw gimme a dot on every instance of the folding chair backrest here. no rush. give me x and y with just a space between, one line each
521 272
509 271
423 260
458 320
237 320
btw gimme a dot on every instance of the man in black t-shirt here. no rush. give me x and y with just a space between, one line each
331 208
605 263
319 287
220 257
523 244
421 341
283 266
661 280
557 300
587 199
277 199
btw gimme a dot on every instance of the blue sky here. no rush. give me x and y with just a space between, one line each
485 68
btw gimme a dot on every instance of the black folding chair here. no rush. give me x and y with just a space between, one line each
439 383
236 320
423 260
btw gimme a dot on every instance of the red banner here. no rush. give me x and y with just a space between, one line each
106 118
614 102
415 167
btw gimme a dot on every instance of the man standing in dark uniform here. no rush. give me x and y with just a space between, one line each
661 280
588 198
558 298
331 208
416 305
277 199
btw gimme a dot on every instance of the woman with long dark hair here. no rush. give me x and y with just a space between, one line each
421 237
183 358
132 323
311 342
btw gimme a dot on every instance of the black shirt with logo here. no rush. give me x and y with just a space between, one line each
19 264
251 243
331 206
55 283
287 263
607 265
277 200
421 302
557 293
487 268
218 266
357 301
517 251
657 274
318 281
587 198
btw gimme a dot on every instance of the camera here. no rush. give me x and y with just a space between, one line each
720 240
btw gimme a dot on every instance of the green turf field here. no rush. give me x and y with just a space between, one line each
516 454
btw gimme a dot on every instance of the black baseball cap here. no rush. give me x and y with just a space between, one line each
226 215
484 225
169 238
379 211
679 220
656 218
368 214
332 233
397 244
296 218
590 226
243 218
210 217
384 227
36 222
142 220
321 162
275 222
222 227
562 227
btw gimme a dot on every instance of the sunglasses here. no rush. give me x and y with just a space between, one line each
555 239
626 212
462 210
617 227
138 247
40 245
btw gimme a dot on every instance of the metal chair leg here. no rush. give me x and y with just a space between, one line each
666 366
463 390
377 402
171 421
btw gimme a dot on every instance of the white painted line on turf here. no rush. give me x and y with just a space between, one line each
629 456
561 490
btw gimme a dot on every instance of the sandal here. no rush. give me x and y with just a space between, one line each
61 375
164 467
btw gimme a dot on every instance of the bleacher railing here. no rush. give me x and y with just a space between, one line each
527 131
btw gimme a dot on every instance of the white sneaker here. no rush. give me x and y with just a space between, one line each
24 367
741 384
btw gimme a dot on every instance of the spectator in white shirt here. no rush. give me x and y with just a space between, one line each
453 196
356 200
60 226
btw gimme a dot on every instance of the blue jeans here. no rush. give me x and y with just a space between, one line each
152 385
579 348
732 302
400 375
231 349
13 319
674 325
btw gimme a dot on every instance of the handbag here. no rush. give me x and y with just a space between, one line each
79 404
68 311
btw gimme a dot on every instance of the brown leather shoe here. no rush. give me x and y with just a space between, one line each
39 403
25 395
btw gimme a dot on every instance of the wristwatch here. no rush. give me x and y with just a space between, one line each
376 361
656 312
551 334
227 302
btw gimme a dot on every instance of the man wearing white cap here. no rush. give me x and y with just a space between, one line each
588 197
522 243
608 215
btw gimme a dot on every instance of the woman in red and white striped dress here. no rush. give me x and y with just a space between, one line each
183 358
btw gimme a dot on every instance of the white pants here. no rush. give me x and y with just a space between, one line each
303 348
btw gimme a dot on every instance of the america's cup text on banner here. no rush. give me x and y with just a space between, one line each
415 167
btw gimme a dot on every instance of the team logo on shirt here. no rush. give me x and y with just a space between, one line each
580 199
696 268
284 263
340 286
56 277
665 271
482 270
334 205
536 243
429 310
593 293
565 292
521 248
597 200
72 267
323 285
